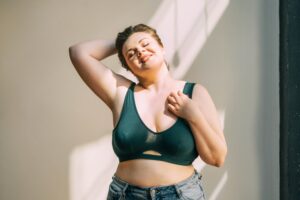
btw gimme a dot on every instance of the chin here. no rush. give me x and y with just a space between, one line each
154 63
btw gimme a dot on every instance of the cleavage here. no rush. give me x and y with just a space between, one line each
155 117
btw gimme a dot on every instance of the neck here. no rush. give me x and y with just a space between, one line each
157 81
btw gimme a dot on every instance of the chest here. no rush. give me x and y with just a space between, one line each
153 111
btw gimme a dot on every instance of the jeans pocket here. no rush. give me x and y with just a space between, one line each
191 191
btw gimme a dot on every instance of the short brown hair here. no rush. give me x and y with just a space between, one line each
123 36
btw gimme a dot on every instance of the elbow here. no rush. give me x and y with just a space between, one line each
219 163
73 50
75 53
220 159
217 158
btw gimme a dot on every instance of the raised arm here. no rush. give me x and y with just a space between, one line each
85 57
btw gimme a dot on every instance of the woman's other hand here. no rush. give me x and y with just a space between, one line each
181 105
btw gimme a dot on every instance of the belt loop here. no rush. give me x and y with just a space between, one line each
179 193
122 197
200 175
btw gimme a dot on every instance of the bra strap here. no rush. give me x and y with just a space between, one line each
132 86
188 89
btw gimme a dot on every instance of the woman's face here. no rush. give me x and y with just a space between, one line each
143 53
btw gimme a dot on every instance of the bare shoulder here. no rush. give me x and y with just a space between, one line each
202 97
200 92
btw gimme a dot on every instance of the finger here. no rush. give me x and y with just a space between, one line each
172 99
181 94
178 98
177 106
171 107
173 94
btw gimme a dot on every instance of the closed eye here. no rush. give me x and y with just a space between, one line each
145 44
129 55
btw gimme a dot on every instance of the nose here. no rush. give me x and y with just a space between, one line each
140 51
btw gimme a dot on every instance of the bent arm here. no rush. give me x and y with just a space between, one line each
206 126
98 49
201 114
85 57
210 143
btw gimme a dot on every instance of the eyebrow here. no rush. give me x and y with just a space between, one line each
138 42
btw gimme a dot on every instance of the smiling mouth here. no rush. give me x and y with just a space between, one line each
145 59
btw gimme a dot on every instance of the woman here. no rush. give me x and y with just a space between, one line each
161 124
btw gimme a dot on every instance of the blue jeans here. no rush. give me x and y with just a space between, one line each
189 189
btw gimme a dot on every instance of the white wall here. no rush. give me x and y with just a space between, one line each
46 110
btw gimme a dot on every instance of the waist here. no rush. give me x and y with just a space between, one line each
150 173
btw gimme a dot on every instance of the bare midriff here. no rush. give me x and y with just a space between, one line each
149 173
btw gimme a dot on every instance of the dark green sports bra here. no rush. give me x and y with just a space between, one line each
131 137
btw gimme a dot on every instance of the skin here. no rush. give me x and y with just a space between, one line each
158 100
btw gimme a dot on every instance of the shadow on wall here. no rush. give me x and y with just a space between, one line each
93 165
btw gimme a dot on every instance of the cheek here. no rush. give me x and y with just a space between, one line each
157 60
159 57
129 60
159 53
133 63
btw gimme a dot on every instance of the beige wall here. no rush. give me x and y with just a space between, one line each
240 67
46 110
